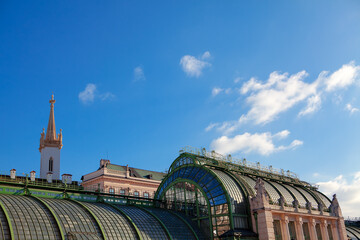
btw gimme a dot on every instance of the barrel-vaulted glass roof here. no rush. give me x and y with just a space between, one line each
226 187
27 217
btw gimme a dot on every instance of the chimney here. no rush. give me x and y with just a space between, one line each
66 178
32 176
104 162
12 173
49 176
127 171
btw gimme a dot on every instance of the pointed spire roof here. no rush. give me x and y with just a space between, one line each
51 139
51 130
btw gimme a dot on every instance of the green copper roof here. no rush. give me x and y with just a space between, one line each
140 173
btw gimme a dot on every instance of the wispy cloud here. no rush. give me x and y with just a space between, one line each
281 92
139 74
216 90
351 109
348 193
193 66
262 143
90 93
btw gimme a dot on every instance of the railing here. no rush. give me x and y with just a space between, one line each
242 162
26 180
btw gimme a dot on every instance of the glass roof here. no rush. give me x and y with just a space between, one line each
73 218
30 219
109 217
148 226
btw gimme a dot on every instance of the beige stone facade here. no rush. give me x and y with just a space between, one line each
122 180
287 223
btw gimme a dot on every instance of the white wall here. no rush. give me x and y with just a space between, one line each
46 153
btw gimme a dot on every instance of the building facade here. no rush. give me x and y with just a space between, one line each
203 196
50 146
237 199
122 180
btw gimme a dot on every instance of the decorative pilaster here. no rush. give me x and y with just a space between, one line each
312 225
299 228
324 232
285 234
334 230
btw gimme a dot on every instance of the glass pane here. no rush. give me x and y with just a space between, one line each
277 230
305 227
292 230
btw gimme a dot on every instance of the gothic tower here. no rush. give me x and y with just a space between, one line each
50 146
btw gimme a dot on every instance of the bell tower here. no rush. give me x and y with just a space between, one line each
50 146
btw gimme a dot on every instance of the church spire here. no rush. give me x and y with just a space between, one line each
51 130
51 139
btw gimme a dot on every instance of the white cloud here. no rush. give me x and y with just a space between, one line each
282 134
343 77
193 66
281 92
351 109
107 96
261 143
206 55
215 91
313 105
211 126
88 95
139 74
238 79
347 192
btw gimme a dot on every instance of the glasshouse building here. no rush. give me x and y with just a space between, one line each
203 196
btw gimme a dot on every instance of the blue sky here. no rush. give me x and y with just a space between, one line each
274 82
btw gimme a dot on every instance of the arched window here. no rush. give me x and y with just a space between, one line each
122 191
146 195
112 191
136 193
51 164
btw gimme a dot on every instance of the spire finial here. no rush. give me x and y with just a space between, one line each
51 130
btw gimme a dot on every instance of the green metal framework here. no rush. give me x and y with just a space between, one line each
161 223
93 215
129 219
186 223
53 214
213 216
8 220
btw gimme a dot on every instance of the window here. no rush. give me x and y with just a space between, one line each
146 195
292 230
277 229
51 163
122 191
111 191
136 193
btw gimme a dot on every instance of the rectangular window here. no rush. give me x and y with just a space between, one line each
305 227
51 162
136 193
111 191
277 229
122 191
292 230
318 231
146 195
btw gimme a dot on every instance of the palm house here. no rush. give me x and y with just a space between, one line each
204 195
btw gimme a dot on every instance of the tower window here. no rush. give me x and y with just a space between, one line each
51 164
